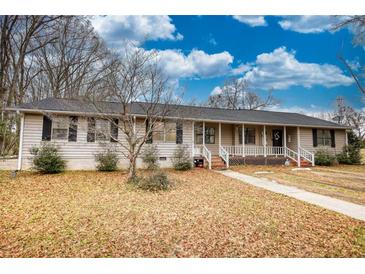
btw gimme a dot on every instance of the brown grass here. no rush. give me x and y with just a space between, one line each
344 182
91 214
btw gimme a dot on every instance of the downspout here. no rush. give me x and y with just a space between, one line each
21 142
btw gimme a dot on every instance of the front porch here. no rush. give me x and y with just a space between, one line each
248 143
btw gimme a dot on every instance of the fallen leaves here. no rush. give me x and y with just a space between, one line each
92 214
346 182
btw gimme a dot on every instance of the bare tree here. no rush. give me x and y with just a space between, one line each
49 56
20 37
357 24
139 87
235 95
76 65
346 115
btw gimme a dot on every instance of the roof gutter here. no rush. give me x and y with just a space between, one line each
38 111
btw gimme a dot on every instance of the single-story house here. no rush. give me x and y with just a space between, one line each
217 137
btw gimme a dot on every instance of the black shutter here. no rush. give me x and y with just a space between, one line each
90 129
314 134
333 141
149 137
179 132
72 130
46 130
114 130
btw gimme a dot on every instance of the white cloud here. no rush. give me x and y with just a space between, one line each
310 23
281 70
314 112
116 29
242 68
217 90
251 20
196 64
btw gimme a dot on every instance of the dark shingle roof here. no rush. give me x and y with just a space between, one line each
182 111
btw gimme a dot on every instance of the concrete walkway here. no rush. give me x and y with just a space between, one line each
347 208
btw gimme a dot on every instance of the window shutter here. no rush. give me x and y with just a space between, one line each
149 137
91 129
72 130
46 130
114 130
314 134
179 132
333 141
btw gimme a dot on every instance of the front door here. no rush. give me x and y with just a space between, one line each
277 137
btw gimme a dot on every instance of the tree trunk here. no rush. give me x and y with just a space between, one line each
132 168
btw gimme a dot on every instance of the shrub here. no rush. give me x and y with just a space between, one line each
156 181
343 157
150 158
351 154
107 161
181 159
46 159
324 158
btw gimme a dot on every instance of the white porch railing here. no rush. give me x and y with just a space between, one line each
307 155
291 154
254 150
202 150
223 153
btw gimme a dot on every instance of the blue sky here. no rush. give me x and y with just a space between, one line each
294 56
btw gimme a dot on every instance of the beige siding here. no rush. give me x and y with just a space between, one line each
80 154
291 138
306 141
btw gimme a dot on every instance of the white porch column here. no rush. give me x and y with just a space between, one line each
203 133
265 154
193 139
298 145
219 134
285 141
21 142
346 138
243 140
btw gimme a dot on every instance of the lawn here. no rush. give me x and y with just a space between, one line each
346 182
91 214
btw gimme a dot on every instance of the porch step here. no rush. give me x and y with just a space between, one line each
218 163
303 163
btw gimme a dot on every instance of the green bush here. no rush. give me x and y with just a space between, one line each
107 161
154 182
150 158
181 159
351 154
46 159
324 158
343 157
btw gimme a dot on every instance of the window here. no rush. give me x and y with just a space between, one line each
324 137
170 132
158 132
249 136
209 135
60 127
199 134
101 130
164 132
